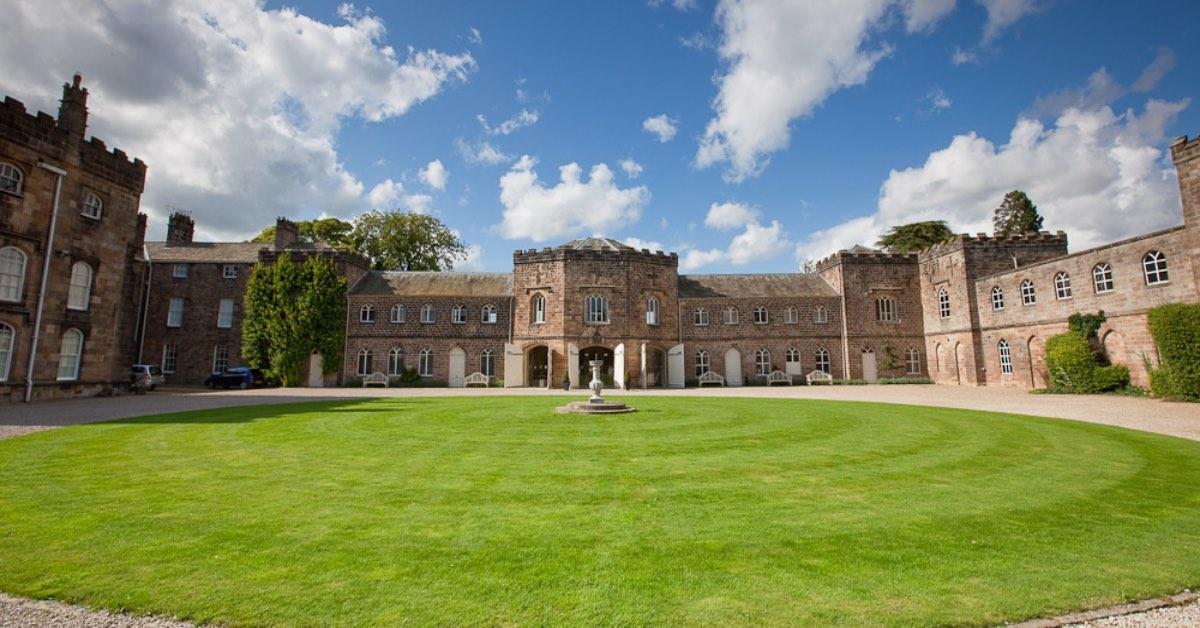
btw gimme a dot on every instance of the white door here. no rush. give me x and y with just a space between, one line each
642 371
870 371
458 367
619 366
316 371
514 366
675 367
733 368
573 364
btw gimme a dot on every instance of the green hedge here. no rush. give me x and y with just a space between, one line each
1074 368
1176 332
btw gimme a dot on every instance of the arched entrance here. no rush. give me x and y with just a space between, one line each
733 367
604 354
656 368
537 370
869 366
1037 362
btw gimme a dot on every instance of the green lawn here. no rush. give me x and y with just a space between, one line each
691 511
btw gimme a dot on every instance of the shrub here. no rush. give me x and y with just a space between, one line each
905 380
1074 368
1176 332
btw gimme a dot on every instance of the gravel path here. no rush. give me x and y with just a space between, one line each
15 611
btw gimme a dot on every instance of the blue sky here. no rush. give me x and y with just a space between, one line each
884 112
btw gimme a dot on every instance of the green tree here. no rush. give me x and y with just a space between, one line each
915 236
293 310
332 230
399 240
1016 215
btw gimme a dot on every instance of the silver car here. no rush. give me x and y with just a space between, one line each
147 375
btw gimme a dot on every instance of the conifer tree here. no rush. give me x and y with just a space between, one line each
1016 215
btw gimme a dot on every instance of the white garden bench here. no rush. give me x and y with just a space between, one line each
779 377
818 377
710 377
477 379
375 379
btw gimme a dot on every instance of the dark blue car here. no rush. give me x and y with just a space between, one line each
238 377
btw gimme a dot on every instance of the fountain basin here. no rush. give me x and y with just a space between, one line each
592 407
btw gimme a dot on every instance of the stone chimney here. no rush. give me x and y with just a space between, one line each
72 113
180 227
287 233
1186 155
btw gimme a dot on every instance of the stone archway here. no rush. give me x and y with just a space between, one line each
1114 347
656 368
537 366
1037 362
604 354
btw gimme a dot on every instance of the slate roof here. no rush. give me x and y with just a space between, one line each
434 284
597 244
227 252
772 285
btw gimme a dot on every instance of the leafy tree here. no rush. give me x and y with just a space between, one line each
1016 215
399 240
332 230
293 310
915 236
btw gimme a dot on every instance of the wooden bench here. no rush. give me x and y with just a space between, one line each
818 377
710 377
779 377
375 379
477 379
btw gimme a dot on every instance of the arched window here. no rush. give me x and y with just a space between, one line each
366 314
1006 367
761 317
792 316
997 298
886 310
1062 286
92 205
1154 266
12 273
537 309
823 363
822 316
792 357
425 363
10 179
943 303
701 362
731 315
700 316
69 355
652 311
487 363
399 313
80 292
8 339
762 362
428 314
1102 278
458 314
597 309
364 362
396 361
914 361
1028 293
488 314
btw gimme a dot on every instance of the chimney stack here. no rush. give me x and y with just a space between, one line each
72 112
180 227
287 233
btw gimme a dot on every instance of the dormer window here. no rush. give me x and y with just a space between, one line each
10 179
92 205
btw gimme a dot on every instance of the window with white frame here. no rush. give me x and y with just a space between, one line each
488 314
220 359
597 309
458 314
1006 367
822 316
170 357
364 362
425 363
398 313
229 271
1154 267
731 315
487 363
80 291
366 314
92 205
537 309
886 310
700 317
823 362
12 273
428 313
701 362
8 339
1028 293
762 362
652 311
761 317
997 298
179 271
792 357
175 312
792 316
1102 278
225 314
1062 286
943 303
69 354
914 361
10 179
396 361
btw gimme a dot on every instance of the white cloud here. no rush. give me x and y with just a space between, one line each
522 119
434 175
236 109
472 260
922 15
755 243
726 216
1163 63
963 57
1098 175
418 203
389 195
662 127
474 36
938 100
481 153
1004 13
632 168
571 207
696 41
639 243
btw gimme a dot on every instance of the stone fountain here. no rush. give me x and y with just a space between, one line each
596 404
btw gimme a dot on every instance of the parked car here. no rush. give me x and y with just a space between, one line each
146 376
237 377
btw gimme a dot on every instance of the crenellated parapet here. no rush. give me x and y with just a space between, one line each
595 249
983 242
112 165
864 255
